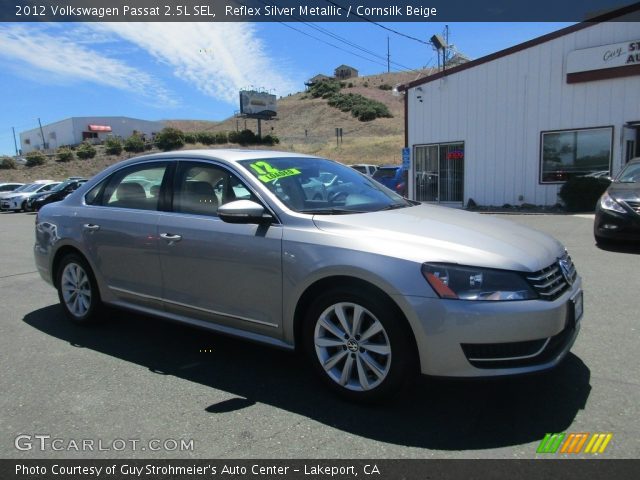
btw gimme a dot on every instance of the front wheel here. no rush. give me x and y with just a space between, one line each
77 290
360 345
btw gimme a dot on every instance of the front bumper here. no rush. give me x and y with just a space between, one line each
616 226
479 339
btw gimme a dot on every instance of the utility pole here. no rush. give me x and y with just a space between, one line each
15 144
388 56
444 50
44 144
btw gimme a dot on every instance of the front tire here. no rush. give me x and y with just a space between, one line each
359 344
77 290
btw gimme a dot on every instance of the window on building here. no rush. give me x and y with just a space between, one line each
572 153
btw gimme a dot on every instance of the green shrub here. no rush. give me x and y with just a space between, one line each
363 108
206 138
35 158
7 163
134 144
324 89
170 139
64 155
190 137
233 137
113 146
580 194
247 137
385 86
350 85
270 140
86 151
221 138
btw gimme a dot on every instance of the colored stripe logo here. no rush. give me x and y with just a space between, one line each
574 443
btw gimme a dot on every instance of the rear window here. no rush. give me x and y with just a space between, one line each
385 173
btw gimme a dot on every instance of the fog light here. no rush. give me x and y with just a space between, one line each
608 226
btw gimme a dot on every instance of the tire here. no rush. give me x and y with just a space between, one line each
77 290
360 369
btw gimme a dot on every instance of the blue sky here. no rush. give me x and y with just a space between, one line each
161 71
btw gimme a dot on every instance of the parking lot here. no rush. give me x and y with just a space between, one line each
139 379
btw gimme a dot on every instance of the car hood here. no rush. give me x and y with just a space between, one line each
428 233
625 191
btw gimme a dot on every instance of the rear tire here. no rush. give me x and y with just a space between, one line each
78 290
359 344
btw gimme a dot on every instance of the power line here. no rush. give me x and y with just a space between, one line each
384 61
380 25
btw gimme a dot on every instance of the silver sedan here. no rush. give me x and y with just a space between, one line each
372 287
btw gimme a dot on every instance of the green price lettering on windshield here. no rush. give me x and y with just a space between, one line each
267 173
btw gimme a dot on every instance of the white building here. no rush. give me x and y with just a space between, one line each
75 130
511 127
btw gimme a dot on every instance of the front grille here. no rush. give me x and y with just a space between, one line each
553 281
635 206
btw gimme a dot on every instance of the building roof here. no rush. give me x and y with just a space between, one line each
523 46
346 66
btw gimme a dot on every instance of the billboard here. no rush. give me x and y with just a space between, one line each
259 104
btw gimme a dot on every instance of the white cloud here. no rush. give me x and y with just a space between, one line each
217 58
60 57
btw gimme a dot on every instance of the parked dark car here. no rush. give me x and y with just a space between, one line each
60 192
618 210
393 177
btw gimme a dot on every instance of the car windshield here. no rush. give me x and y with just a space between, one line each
62 186
320 186
32 187
630 174
21 188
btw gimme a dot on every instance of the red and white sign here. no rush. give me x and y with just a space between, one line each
99 128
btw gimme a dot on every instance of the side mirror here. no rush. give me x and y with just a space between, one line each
243 211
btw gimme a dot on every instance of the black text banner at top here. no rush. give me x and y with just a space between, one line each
317 11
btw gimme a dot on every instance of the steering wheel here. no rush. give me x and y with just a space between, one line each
337 196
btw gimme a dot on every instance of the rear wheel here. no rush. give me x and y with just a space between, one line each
77 290
360 345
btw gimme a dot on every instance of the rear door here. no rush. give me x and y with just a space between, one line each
120 233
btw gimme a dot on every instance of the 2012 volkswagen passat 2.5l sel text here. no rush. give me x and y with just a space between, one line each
372 287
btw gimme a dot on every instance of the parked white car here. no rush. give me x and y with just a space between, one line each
365 168
17 201
9 186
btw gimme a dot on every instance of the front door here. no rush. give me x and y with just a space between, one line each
229 274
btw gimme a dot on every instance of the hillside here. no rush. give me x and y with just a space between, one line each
304 124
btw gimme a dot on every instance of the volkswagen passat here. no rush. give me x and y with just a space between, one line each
371 286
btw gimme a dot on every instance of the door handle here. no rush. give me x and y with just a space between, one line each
92 227
171 237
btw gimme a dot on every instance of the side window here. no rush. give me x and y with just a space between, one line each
200 188
136 187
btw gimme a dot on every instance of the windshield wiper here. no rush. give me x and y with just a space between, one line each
394 206
331 211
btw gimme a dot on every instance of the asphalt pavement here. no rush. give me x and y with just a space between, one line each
140 387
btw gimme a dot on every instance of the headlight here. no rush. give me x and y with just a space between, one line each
608 203
470 283
12 199
42 197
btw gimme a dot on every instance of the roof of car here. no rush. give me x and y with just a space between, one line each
227 154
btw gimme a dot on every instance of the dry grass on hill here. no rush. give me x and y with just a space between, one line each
304 124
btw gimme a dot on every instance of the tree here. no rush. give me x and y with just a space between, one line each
86 151
170 139
113 146
134 144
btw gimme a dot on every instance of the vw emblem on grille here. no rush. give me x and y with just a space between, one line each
566 271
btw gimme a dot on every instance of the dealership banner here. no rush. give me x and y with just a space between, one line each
306 10
320 469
